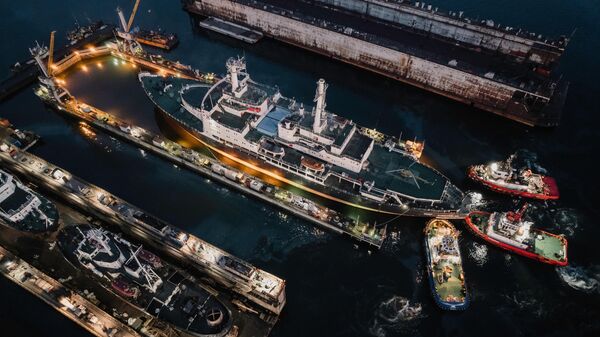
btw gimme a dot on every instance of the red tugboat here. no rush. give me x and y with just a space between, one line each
510 231
504 178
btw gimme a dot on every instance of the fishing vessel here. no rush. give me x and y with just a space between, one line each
307 147
23 209
511 231
444 265
505 178
144 280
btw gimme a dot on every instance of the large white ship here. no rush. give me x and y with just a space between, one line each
309 147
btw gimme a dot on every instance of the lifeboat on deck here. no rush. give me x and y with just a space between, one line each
312 165
124 288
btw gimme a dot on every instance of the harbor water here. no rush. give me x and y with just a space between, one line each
334 287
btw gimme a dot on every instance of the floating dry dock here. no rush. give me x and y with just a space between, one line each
263 290
73 306
491 67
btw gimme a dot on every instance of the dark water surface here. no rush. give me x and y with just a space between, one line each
335 289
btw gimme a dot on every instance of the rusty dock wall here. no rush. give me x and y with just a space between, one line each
347 45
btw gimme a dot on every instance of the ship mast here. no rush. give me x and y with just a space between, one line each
320 108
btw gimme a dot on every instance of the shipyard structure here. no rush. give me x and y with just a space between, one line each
500 69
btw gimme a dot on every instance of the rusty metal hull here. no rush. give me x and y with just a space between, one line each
534 108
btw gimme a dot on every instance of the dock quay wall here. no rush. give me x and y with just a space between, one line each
478 91
454 29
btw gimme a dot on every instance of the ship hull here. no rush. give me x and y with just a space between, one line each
475 230
550 183
354 200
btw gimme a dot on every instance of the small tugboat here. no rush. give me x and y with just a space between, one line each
510 231
444 265
503 177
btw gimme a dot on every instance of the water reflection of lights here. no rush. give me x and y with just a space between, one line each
86 130
99 65
84 68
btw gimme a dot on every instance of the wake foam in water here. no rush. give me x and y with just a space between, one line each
566 221
526 301
394 315
526 158
579 278
479 253
559 221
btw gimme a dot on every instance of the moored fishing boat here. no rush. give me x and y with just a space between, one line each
444 265
512 232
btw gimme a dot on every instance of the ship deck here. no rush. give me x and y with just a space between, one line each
548 246
396 172
446 275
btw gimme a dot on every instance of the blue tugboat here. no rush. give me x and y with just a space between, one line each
444 266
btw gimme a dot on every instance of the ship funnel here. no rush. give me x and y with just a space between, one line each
320 108
234 67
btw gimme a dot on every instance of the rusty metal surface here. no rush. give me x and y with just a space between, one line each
480 91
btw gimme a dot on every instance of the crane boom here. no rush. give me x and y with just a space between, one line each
135 8
51 52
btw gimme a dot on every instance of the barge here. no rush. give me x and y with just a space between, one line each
490 67
157 39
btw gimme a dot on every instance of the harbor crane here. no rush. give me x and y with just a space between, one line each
47 68
129 41
51 53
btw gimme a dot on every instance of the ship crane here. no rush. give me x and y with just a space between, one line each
125 33
51 53
47 78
